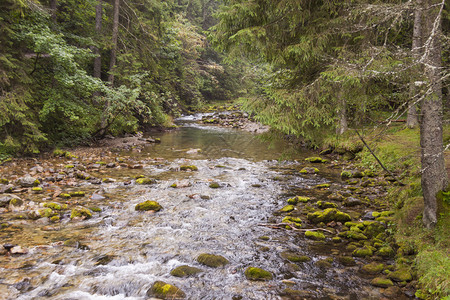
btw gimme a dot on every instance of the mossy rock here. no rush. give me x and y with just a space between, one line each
324 263
347 261
336 239
37 189
309 170
401 275
53 205
386 251
346 174
185 271
316 159
293 257
174 185
191 168
59 153
148 205
381 282
322 186
4 181
69 166
212 260
145 181
81 212
287 208
253 273
55 219
363 252
328 215
95 209
352 235
163 290
16 202
264 238
354 224
46 212
77 194
296 222
373 268
314 235
214 185
373 229
298 199
324 204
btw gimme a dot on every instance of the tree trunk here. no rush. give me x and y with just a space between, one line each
98 28
53 10
417 44
342 114
434 176
115 34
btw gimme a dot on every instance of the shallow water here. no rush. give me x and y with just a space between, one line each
120 252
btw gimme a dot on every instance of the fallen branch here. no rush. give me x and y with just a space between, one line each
379 162
283 226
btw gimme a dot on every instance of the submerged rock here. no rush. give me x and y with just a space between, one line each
212 260
148 205
163 290
253 273
293 257
185 271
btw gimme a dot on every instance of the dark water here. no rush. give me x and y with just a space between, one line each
129 250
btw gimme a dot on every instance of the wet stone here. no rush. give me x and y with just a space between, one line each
212 260
163 290
185 271
257 274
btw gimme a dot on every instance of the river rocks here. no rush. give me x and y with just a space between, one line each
214 185
80 212
373 268
163 290
212 260
293 257
316 160
400 275
54 205
296 222
308 170
347 261
6 188
352 201
314 235
257 274
185 271
188 168
6 199
381 282
322 186
287 208
328 215
28 181
145 181
18 250
386 252
324 204
363 252
298 199
148 205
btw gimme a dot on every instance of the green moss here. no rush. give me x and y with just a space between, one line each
95 209
264 238
352 235
309 171
328 215
336 239
148 205
296 222
354 224
185 271
145 181
69 166
4 181
401 275
46 212
101 163
77 194
287 208
253 273
36 182
316 160
314 235
53 205
65 195
322 186
54 219
324 263
381 282
185 168
212 260
214 185
363 252
164 290
59 153
347 261
81 212
293 257
386 251
373 268
174 185
298 199
36 189
324 204
16 202
346 174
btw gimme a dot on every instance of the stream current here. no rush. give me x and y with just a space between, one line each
120 252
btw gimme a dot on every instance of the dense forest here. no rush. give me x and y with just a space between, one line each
330 73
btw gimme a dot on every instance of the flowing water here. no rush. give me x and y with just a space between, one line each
120 252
